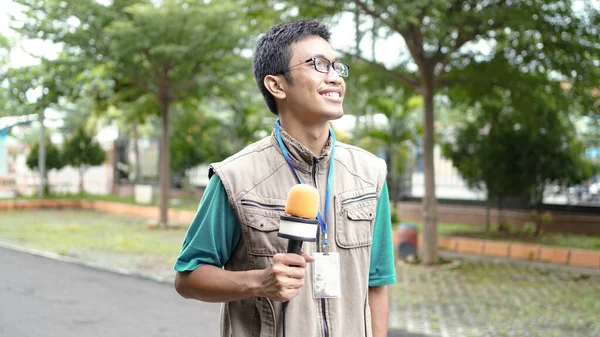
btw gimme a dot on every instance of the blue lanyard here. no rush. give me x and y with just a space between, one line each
322 222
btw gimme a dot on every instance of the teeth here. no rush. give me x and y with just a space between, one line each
332 94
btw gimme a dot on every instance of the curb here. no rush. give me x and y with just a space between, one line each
573 257
84 263
177 215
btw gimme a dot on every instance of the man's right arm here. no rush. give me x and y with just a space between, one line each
208 245
281 281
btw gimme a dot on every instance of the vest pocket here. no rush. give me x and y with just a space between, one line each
355 220
261 228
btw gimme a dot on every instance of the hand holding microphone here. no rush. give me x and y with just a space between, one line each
284 278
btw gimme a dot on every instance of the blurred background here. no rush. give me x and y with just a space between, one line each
494 104
487 113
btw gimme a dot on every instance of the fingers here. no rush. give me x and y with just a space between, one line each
285 277
289 265
290 259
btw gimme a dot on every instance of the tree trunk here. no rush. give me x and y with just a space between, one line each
42 155
539 199
394 176
81 172
487 214
136 152
164 171
501 225
538 219
429 250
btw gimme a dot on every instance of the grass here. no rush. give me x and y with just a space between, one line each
566 240
93 236
186 204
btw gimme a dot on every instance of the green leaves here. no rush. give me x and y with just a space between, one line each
519 143
81 150
54 158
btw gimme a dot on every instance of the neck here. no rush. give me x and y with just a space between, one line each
313 136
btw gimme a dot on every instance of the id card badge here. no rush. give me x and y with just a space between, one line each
326 275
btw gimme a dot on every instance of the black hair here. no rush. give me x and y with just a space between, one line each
273 51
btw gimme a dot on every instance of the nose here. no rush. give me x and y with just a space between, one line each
333 77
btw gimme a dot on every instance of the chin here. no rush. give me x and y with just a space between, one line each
333 115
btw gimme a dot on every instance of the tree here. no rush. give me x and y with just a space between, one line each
81 151
48 81
168 50
519 144
216 127
442 38
53 160
4 56
397 136
163 49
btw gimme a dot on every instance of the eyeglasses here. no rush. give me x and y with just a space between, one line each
323 65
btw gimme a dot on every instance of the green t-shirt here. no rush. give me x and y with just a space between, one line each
215 232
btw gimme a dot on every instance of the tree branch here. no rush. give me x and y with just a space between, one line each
401 77
413 38
393 25
443 82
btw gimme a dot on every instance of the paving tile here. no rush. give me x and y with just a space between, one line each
495 298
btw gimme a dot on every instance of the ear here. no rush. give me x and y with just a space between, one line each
276 86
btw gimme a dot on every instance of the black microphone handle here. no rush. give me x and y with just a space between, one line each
294 246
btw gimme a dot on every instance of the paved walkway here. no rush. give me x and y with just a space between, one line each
497 298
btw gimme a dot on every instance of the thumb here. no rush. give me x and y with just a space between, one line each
307 257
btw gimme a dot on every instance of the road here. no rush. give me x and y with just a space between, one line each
44 297
41 297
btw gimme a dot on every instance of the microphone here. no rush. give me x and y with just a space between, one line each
299 223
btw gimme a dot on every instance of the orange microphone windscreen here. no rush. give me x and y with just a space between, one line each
302 201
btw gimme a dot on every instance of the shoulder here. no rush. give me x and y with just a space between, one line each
245 168
252 149
360 160
247 157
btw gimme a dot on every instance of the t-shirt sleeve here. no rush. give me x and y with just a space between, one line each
213 234
382 270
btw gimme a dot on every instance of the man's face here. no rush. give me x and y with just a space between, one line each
314 96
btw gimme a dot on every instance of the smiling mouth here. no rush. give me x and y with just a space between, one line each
331 94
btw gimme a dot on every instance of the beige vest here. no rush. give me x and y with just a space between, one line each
257 180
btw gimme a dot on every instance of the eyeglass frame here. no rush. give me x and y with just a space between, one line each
330 65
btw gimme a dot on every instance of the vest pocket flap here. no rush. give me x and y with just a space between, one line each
263 223
361 214
261 235
355 229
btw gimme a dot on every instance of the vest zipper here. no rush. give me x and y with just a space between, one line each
363 197
263 206
314 176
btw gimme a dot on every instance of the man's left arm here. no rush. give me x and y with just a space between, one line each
382 271
378 302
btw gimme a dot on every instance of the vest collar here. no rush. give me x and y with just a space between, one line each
301 157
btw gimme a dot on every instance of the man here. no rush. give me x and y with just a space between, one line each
232 253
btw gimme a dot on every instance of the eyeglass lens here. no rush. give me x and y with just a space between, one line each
322 65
